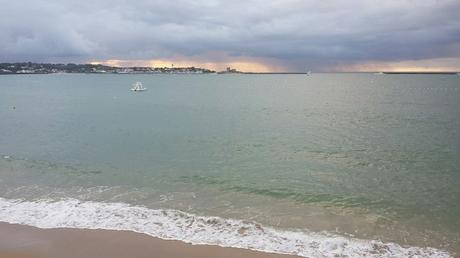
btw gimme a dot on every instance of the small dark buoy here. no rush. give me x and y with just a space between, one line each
14 107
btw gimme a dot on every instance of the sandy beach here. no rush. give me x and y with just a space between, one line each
27 242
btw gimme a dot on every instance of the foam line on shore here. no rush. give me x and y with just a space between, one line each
189 228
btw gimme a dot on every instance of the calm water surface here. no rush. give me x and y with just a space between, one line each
372 156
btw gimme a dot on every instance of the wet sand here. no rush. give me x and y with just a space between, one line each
19 241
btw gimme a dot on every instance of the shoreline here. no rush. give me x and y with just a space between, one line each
171 225
31 242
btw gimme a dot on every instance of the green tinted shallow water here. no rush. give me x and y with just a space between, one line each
362 154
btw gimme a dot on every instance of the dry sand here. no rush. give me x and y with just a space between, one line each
19 241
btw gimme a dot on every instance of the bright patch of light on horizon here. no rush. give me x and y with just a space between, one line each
243 65
425 65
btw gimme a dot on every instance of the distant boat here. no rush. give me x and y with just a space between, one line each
137 86
379 73
308 73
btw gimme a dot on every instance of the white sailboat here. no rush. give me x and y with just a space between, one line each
308 73
137 86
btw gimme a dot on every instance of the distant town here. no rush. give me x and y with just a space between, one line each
41 68
47 68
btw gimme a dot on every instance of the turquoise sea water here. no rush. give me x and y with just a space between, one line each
358 155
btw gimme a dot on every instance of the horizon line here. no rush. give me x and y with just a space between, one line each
387 71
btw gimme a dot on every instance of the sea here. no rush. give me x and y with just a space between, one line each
327 165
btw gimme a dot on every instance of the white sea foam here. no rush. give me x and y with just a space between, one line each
172 224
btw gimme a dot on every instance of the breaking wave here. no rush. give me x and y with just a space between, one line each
189 228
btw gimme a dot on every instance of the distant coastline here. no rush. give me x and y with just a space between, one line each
50 68
453 73
47 68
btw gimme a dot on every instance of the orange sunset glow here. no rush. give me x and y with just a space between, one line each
242 65
426 65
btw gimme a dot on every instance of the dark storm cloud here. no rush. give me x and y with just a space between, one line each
316 34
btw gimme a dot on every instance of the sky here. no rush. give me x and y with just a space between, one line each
250 35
